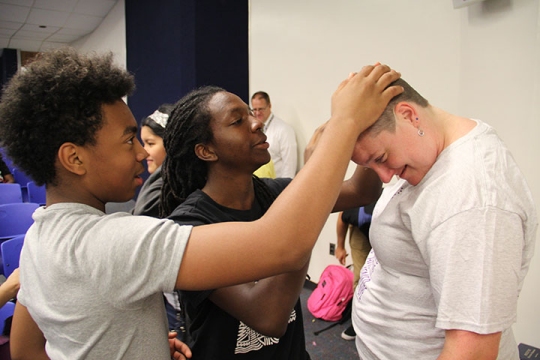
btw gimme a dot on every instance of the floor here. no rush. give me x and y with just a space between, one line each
328 344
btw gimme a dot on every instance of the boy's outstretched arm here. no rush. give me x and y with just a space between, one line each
279 242
26 341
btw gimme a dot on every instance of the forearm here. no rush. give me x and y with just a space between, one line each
466 345
363 188
265 305
4 297
10 288
356 104
341 231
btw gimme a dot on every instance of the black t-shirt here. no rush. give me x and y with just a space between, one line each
214 333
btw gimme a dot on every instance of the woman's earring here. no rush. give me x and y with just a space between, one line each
420 132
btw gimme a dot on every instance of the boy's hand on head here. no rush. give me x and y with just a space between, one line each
364 95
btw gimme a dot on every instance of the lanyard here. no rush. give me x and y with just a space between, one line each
267 124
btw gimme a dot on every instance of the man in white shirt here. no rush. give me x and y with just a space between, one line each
280 136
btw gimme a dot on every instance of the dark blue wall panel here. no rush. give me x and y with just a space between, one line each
174 46
8 66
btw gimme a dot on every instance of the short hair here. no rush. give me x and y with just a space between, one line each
189 124
56 99
158 119
261 95
387 120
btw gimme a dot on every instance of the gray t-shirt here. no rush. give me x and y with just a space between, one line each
93 283
449 253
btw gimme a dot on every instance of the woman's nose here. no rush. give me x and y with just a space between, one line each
384 173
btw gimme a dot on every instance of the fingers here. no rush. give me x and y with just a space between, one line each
179 350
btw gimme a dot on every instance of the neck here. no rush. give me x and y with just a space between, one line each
449 127
234 191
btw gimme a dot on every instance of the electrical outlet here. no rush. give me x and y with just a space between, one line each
332 249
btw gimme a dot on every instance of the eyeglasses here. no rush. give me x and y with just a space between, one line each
259 109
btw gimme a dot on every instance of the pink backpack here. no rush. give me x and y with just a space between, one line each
332 294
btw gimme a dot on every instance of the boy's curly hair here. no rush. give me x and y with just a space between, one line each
57 98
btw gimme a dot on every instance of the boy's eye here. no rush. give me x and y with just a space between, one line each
130 140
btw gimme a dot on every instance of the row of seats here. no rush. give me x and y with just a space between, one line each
15 193
29 190
17 204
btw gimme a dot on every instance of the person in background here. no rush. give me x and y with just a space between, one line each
6 176
356 222
152 131
266 171
92 284
8 292
452 239
256 320
281 136
10 287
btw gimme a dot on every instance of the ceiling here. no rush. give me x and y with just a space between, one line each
36 25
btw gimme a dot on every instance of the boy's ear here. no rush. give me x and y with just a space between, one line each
71 158
205 152
405 111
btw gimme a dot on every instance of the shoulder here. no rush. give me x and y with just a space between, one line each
197 209
276 185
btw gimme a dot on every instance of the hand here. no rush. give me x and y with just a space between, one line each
364 95
12 285
341 254
179 350
310 147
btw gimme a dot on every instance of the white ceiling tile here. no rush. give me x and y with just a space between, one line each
65 38
13 13
26 45
4 42
7 32
65 21
86 22
94 7
56 5
32 35
70 31
18 2
35 28
47 17
10 25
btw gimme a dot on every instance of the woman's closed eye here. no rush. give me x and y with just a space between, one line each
381 159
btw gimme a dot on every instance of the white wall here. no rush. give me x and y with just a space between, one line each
109 36
482 61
